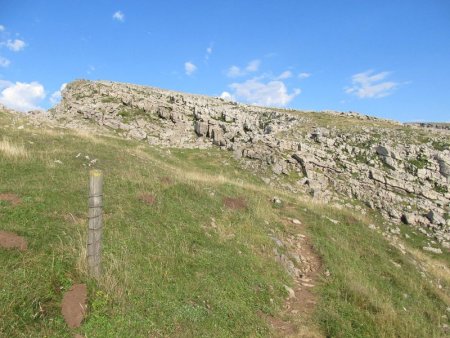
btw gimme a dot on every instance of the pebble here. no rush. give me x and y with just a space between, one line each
276 200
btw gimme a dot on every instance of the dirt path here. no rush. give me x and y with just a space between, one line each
10 240
304 265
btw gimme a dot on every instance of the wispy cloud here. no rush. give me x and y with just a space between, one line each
90 69
209 51
234 71
252 66
189 68
4 62
22 96
255 91
15 45
304 75
371 85
119 16
285 75
2 28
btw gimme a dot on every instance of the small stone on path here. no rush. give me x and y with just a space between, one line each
290 291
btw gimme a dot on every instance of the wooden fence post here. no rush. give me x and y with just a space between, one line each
95 222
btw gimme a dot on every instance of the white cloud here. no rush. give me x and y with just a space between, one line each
370 85
272 93
4 62
235 71
56 96
119 16
253 66
16 45
285 75
304 75
2 28
189 68
227 96
22 96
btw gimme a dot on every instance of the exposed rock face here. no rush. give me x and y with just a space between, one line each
402 171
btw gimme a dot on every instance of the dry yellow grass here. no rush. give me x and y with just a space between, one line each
12 150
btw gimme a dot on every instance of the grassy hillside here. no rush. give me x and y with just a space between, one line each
179 261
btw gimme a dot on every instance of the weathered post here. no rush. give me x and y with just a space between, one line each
95 222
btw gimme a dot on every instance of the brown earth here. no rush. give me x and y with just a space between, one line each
147 198
73 306
11 198
10 240
235 203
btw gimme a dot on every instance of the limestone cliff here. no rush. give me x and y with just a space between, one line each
401 171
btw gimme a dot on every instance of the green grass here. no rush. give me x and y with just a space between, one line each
110 99
420 162
441 145
167 270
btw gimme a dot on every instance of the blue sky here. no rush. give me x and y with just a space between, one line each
384 58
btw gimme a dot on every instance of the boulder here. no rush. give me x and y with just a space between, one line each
137 134
201 128
164 112
444 167
382 150
435 218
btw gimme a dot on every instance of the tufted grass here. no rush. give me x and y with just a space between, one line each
12 150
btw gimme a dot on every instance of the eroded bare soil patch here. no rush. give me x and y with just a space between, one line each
73 305
11 198
10 240
235 203
148 198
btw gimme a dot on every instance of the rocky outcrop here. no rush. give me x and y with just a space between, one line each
430 125
341 158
